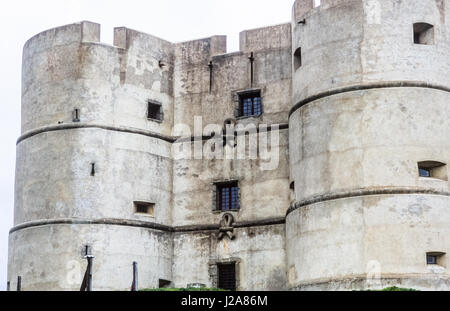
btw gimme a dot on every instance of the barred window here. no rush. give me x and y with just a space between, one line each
250 104
227 196
227 276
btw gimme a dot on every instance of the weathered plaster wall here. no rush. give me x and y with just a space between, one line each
364 107
258 251
68 68
64 69
357 132
49 257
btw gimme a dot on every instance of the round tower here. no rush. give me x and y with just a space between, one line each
369 145
93 171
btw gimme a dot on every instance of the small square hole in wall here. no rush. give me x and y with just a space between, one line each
316 3
154 111
433 169
423 33
144 208
435 258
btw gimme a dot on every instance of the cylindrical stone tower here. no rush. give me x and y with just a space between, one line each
92 168
369 142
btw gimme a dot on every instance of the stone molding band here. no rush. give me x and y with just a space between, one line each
170 139
368 86
362 193
145 224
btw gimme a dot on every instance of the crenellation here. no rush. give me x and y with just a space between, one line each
271 37
353 114
90 32
300 9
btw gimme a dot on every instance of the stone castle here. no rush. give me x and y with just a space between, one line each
357 93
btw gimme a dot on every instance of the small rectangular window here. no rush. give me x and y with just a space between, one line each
424 172
227 276
435 258
144 208
227 196
423 33
433 169
154 111
163 283
250 104
431 260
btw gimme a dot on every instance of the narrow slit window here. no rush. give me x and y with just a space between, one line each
154 111
423 33
316 3
227 196
297 58
250 104
144 208
76 115
227 276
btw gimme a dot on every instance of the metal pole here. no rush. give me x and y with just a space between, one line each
134 286
19 283
252 59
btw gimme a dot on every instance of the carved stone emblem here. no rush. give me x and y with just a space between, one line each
226 226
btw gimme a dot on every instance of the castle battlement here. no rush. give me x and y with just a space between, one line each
352 99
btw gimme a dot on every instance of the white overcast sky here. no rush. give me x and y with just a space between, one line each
173 20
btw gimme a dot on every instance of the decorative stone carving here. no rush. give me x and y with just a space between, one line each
226 226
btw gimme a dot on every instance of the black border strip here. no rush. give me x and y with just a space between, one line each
362 193
144 224
362 87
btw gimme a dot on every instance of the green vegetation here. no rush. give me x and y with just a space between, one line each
393 289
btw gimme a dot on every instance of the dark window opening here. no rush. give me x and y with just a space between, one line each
144 208
434 258
163 283
227 196
431 260
250 104
423 33
424 172
297 58
227 276
154 111
76 115
433 169
92 169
